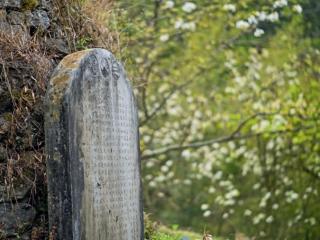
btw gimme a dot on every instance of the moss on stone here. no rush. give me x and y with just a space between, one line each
29 4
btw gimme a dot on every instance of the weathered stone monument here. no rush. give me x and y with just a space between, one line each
92 143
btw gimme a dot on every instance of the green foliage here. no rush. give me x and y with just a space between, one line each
165 233
83 43
229 111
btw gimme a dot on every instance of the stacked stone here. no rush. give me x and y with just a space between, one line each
19 16
19 210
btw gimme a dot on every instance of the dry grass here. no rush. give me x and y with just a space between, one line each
26 58
100 15
25 67
23 59
86 23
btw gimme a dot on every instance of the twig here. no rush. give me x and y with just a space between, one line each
233 136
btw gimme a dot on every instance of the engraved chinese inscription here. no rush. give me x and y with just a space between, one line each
103 136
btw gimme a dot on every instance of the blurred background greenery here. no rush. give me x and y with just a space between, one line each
228 93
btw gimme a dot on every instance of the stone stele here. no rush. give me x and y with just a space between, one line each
92 144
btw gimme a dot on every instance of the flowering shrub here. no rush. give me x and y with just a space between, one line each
229 112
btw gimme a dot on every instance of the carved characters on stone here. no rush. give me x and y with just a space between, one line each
108 65
92 65
115 69
105 67
92 144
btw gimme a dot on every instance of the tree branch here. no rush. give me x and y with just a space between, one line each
233 136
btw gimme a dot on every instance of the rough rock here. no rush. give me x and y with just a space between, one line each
38 19
11 3
46 4
14 218
57 45
16 18
11 29
18 193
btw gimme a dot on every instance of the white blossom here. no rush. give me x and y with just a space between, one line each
187 182
252 20
204 206
169 4
186 154
224 150
216 145
291 196
273 17
258 218
169 163
211 190
262 233
160 178
242 24
189 7
312 221
226 183
229 202
256 186
160 194
297 8
148 177
139 60
225 215
207 213
229 7
258 32
170 175
164 37
178 23
247 212
262 16
232 145
164 168
152 184
270 145
309 190
232 194
280 3
149 164
189 26
269 219
218 175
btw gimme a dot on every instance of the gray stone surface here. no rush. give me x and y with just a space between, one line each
38 19
94 187
57 45
46 4
17 18
11 3
14 194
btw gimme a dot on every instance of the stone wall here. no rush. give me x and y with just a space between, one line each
31 44
16 15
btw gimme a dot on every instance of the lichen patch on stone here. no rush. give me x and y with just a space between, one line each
73 60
